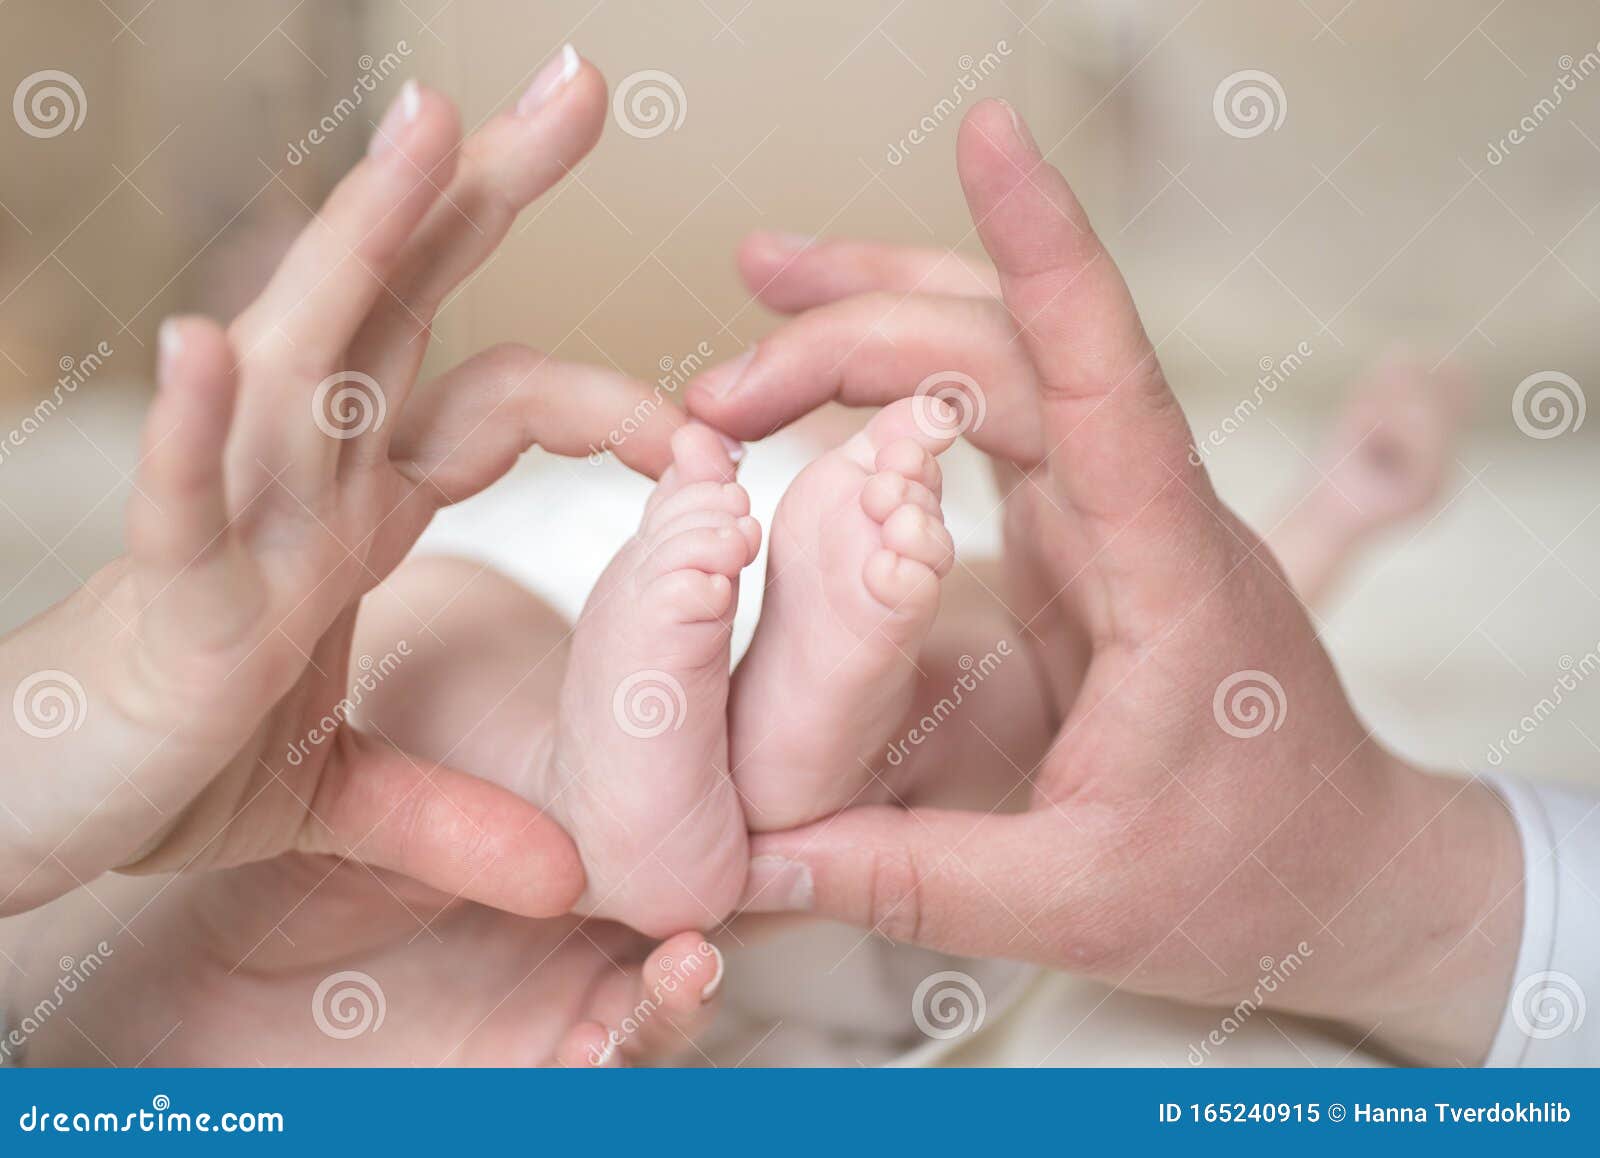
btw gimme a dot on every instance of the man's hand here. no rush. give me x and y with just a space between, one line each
1210 800
186 708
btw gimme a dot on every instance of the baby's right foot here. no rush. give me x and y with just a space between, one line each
858 547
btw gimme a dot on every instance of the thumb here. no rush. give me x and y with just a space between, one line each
453 832
1117 442
962 882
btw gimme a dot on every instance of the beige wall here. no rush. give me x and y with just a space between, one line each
1238 249
161 200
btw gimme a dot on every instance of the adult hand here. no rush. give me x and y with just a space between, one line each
305 960
1211 799
289 465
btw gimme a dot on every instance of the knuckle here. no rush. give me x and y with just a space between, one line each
265 352
512 372
485 203
895 898
512 362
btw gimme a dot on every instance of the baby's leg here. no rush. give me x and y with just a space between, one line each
1386 461
480 663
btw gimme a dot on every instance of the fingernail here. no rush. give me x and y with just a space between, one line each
401 113
777 884
169 344
549 80
734 447
715 984
720 381
1020 127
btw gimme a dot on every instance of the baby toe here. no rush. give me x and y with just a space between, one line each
690 521
721 550
722 497
750 528
886 492
915 534
700 454
906 588
930 423
910 459
691 596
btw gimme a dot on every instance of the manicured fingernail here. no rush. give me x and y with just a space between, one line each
549 80
777 884
169 344
715 983
401 113
1020 126
733 446
720 381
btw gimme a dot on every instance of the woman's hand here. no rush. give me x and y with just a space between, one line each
306 960
185 709
1211 800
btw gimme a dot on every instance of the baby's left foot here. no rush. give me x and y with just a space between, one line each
638 771
858 549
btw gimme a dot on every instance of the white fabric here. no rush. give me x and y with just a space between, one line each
1547 1021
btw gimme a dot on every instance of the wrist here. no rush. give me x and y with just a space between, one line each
1434 932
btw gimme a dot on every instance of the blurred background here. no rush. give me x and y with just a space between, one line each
1328 177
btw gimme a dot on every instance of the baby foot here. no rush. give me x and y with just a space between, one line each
1394 445
858 549
1387 461
638 768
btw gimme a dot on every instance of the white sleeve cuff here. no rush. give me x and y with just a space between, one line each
1547 1021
